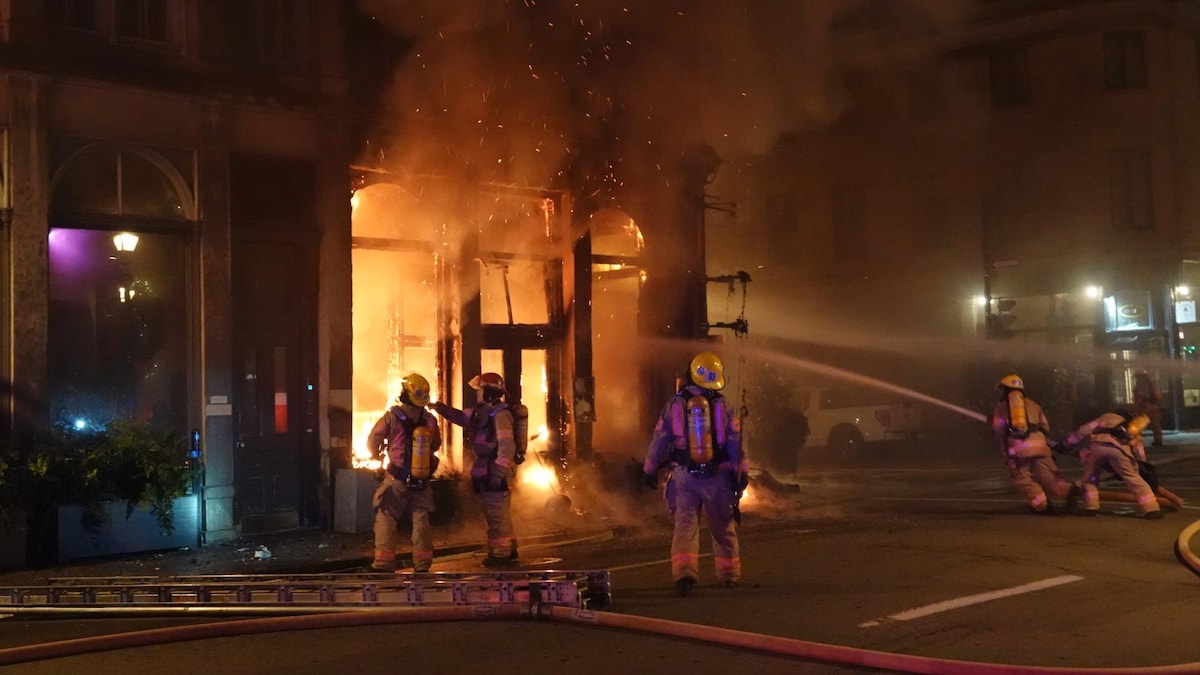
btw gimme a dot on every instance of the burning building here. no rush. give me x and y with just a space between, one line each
209 221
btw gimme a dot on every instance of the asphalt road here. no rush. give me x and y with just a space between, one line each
927 556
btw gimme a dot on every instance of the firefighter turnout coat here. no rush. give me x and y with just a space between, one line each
401 491
707 487
1110 447
1027 454
489 430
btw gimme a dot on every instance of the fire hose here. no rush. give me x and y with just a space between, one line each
368 616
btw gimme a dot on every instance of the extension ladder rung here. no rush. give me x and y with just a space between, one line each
567 588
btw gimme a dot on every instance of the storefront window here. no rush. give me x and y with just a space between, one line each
118 327
395 303
1128 310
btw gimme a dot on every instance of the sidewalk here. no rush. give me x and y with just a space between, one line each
315 551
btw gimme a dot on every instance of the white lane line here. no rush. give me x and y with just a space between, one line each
648 564
968 600
668 560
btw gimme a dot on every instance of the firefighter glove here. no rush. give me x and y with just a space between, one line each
651 480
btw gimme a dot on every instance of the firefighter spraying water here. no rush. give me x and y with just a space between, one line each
1021 433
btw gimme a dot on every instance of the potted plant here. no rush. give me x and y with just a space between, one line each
117 489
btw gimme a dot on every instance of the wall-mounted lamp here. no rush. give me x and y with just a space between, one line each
125 241
1182 291
1094 292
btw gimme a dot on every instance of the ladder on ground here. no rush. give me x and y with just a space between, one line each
264 593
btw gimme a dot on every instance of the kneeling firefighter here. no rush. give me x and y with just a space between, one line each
491 429
1021 429
1114 442
410 438
700 439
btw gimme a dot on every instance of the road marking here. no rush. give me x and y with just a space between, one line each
976 599
668 560
648 564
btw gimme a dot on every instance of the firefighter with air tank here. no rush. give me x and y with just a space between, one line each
496 433
409 437
699 438
1113 441
1021 433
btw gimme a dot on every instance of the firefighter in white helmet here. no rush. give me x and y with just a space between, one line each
1114 442
489 430
699 437
1021 432
410 438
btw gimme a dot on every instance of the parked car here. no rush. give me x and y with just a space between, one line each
844 419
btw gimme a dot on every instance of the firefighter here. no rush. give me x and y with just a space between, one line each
1021 431
1147 398
699 438
1114 442
410 438
490 431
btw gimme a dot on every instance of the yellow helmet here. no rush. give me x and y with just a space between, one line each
414 389
707 371
1012 382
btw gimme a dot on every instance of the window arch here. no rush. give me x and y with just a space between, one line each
120 180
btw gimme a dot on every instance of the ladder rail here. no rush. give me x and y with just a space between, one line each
571 588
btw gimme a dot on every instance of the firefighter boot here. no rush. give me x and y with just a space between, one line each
684 586
495 561
1073 496
384 565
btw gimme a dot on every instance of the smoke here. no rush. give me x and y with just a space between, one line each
522 92
596 95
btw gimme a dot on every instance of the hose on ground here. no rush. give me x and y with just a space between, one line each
1166 499
371 617
816 651
1183 548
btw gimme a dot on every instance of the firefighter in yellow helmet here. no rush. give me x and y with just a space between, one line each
1021 432
1114 442
699 437
410 438
489 429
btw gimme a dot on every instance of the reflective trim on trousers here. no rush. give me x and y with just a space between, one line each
685 564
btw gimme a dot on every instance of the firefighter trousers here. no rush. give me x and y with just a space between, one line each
393 499
714 497
1102 456
1034 477
497 510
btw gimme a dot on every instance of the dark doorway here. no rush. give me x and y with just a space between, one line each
276 459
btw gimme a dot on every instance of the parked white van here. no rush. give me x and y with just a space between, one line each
843 419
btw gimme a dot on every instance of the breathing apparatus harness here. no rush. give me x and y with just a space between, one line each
1019 426
692 418
1127 430
421 462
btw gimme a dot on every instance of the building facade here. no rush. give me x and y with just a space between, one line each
1017 171
198 232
